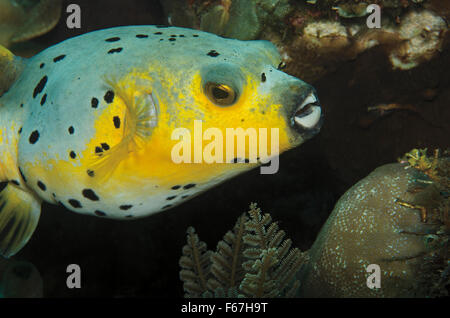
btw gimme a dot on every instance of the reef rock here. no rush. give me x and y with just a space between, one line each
22 20
380 221
315 37
19 279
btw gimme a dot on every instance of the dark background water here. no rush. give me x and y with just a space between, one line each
140 258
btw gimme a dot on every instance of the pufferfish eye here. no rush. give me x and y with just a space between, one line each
220 94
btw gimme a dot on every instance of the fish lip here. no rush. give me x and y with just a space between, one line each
307 118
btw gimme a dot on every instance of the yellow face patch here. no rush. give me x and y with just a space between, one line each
153 160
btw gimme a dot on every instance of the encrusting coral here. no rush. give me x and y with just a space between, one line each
397 218
252 260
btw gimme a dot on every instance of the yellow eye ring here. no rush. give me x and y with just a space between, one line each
220 94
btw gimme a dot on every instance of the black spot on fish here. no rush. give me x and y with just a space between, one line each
21 105
99 213
114 39
15 182
20 130
59 58
105 146
98 149
118 50
195 35
94 102
42 65
109 97
171 197
172 39
41 185
40 86
43 99
34 137
125 207
73 155
71 130
281 66
188 186
185 196
181 35
176 187
128 216
263 77
167 206
75 203
90 194
2 187
142 36
213 53
158 33
116 121
90 173
22 175
61 204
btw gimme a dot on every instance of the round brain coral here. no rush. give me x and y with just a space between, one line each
379 221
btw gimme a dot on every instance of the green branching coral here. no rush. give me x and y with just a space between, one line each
272 264
227 261
195 264
252 260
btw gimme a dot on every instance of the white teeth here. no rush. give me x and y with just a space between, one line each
311 99
311 120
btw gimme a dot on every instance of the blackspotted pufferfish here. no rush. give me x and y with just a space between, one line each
87 123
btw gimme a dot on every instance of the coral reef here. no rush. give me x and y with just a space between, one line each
252 260
22 20
397 218
315 37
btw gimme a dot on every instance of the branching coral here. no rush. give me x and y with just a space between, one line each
252 260
195 265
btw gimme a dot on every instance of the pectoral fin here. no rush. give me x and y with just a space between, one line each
19 215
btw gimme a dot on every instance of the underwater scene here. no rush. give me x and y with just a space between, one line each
224 149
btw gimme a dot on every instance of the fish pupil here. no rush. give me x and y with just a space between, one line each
219 93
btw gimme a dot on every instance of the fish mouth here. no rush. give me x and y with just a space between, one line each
308 117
